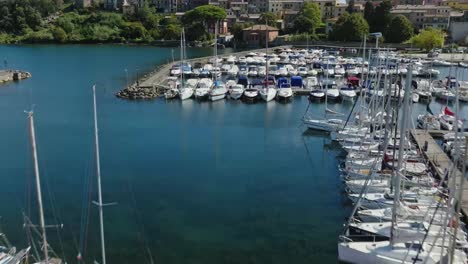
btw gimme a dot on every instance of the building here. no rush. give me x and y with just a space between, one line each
258 35
258 6
423 16
456 4
280 6
459 28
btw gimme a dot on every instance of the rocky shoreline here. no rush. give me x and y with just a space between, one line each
13 75
138 93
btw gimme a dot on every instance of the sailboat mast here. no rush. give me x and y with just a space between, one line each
38 185
182 57
267 36
401 148
98 172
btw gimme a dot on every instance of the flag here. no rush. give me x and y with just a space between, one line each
449 112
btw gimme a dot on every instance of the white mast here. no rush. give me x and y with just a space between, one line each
38 186
396 195
98 172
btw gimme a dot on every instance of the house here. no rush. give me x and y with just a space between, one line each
459 28
258 35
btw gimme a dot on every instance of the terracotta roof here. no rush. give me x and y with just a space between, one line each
261 27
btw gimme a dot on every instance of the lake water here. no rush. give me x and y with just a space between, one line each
221 182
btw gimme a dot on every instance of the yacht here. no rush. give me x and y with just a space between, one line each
251 93
348 92
203 88
218 92
327 125
236 91
285 92
188 89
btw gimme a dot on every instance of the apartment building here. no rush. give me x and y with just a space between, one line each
456 4
423 16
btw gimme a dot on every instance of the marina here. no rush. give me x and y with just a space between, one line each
223 181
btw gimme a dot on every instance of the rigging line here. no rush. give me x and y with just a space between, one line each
55 213
139 220
84 203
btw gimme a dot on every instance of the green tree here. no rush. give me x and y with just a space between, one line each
369 12
428 39
303 24
134 30
196 31
382 17
268 18
171 32
206 14
147 16
350 28
59 34
400 30
312 11
237 28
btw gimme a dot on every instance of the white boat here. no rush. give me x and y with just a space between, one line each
285 92
311 83
302 71
328 125
348 93
428 121
232 72
218 92
441 63
384 252
236 91
261 72
203 88
415 97
252 72
332 93
268 93
251 93
176 70
339 70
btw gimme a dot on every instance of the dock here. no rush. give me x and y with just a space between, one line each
439 161
151 85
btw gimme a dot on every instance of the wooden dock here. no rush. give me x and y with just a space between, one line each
439 160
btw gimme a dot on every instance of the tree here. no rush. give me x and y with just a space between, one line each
400 29
237 28
268 18
350 8
381 18
369 12
196 31
134 30
206 14
171 32
312 11
302 24
428 39
350 28
59 34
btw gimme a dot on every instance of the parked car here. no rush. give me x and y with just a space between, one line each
433 54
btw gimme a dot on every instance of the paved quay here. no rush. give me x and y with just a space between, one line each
454 57
440 162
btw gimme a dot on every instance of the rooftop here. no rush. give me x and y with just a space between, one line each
261 27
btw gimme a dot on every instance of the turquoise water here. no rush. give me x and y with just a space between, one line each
221 182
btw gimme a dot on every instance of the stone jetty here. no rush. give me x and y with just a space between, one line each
13 75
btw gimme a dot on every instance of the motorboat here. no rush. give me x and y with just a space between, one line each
252 71
251 93
218 92
296 82
285 92
311 83
176 70
236 91
302 71
347 92
428 121
232 72
331 90
203 88
339 70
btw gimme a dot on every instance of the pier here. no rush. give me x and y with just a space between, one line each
13 75
439 160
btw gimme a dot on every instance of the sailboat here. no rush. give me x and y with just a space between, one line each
42 225
403 242
187 90
268 92
219 90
